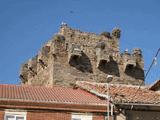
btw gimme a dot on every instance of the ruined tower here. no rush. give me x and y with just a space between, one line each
73 56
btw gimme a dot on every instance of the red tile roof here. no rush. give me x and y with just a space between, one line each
55 94
123 93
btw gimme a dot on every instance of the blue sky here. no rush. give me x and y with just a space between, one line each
25 25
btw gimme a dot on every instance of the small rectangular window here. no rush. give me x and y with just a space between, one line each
15 116
81 116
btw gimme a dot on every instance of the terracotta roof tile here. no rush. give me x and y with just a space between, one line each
123 93
47 94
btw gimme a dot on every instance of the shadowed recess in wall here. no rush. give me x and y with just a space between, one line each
110 67
81 63
136 72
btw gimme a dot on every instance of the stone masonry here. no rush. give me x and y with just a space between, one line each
73 56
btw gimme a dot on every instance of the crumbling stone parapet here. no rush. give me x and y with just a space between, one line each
73 55
24 73
116 33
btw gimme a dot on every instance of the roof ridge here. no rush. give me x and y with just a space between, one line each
111 84
35 86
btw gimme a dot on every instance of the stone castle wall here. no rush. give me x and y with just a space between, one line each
73 55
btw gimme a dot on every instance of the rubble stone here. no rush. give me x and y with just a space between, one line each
73 56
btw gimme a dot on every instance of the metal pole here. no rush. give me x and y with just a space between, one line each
112 111
108 100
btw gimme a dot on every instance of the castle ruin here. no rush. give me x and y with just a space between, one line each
73 56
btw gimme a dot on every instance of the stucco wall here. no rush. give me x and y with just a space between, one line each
142 115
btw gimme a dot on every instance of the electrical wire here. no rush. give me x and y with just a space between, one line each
153 61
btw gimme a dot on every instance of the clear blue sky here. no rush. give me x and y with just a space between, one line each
25 25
